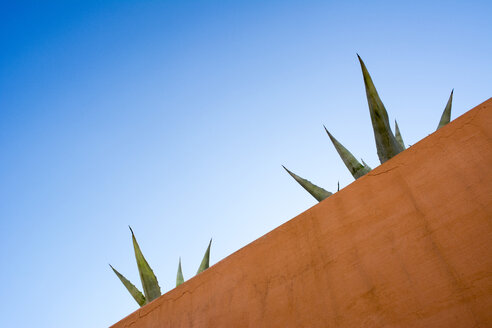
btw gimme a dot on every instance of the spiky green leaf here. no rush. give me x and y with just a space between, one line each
446 114
206 259
137 294
356 169
365 164
398 136
179 276
315 191
149 281
386 143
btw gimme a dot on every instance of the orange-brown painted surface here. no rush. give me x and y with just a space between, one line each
407 245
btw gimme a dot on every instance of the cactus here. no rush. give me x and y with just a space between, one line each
149 281
387 143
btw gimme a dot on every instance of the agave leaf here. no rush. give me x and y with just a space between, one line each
137 295
149 281
206 259
386 143
356 169
315 191
365 165
446 114
179 277
338 186
398 136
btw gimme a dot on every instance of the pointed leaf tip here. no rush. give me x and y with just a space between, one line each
356 169
365 164
136 294
446 114
386 143
147 277
327 132
179 276
206 259
317 192
398 135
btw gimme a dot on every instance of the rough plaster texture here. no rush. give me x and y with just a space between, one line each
407 245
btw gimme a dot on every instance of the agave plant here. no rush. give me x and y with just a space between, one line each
150 285
387 143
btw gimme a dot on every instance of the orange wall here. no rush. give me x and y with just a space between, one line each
407 245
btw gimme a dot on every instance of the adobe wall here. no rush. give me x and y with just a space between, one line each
407 245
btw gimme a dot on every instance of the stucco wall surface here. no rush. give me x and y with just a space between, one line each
407 245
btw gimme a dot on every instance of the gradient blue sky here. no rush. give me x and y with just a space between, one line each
175 117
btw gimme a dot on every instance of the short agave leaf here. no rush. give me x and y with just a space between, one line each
365 164
338 186
398 135
446 114
356 169
206 259
149 281
315 191
179 276
386 143
137 295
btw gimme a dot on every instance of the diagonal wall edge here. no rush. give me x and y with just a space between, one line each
407 245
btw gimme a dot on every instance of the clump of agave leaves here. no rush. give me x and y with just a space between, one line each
150 285
387 143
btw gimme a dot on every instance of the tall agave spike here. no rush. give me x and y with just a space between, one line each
386 143
356 169
315 191
206 259
179 276
446 114
149 281
137 294
398 136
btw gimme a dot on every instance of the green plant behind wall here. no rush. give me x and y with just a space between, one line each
150 285
388 144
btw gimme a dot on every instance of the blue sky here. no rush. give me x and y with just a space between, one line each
175 118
